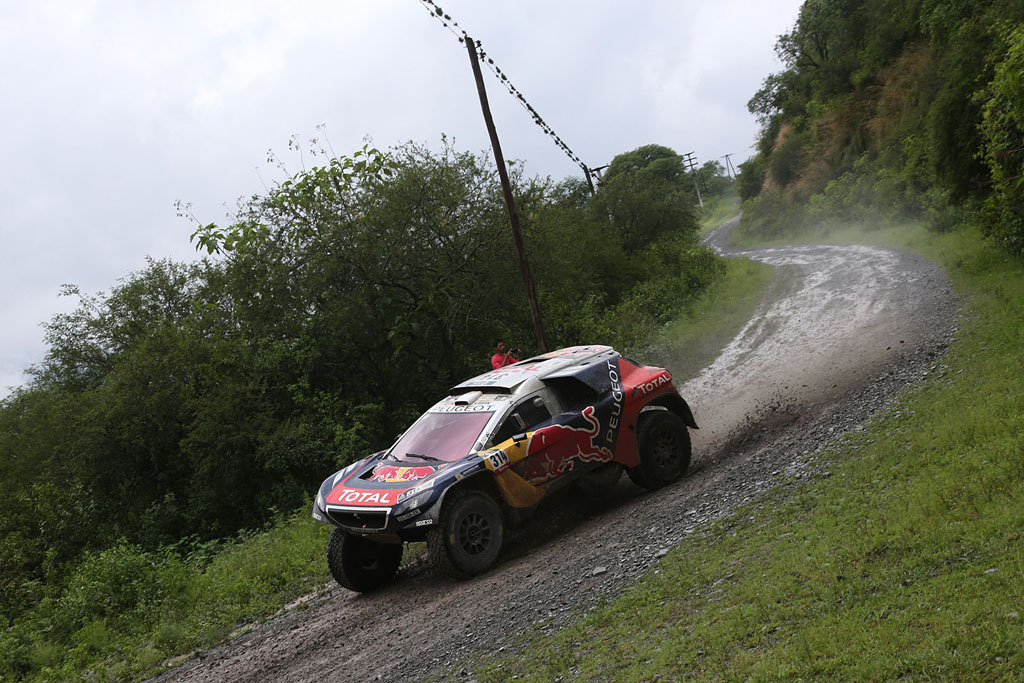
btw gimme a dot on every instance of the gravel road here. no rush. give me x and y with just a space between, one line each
839 332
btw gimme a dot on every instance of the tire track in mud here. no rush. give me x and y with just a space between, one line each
839 332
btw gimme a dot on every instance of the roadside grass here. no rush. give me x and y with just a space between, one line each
906 562
127 613
717 211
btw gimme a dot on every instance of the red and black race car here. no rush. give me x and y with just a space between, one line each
488 453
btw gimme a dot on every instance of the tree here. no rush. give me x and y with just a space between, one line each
1003 132
751 177
646 193
715 178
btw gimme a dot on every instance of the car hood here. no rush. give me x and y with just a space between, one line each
379 482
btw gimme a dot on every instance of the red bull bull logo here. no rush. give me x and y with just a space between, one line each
562 446
393 473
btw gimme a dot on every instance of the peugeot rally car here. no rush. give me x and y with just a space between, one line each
489 452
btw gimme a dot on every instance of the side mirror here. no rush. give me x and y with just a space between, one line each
519 437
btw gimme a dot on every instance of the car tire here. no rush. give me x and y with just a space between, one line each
360 564
468 539
664 445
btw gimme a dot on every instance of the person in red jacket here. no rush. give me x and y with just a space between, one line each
501 357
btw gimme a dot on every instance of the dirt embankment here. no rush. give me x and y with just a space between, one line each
840 331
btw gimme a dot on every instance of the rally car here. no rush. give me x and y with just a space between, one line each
487 454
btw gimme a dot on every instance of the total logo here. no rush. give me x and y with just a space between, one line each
362 498
647 387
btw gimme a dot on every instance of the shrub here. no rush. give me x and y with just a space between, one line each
1003 130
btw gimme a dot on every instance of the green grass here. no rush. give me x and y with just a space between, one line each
907 562
718 210
127 613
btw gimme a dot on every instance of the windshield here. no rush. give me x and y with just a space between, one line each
443 437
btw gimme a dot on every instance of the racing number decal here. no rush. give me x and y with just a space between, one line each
497 461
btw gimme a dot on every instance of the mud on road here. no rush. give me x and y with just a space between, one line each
839 332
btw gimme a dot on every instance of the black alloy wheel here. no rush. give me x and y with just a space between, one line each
469 537
664 445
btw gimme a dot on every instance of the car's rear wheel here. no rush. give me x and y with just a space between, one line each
468 539
664 446
360 564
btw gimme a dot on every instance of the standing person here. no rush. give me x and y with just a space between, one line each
501 357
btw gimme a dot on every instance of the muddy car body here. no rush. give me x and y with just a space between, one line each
486 455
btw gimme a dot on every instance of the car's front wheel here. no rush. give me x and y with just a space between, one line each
664 446
470 534
360 564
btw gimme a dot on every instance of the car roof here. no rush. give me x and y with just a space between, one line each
528 375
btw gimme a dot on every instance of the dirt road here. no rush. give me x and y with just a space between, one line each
840 331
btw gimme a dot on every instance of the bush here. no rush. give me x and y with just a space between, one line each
752 175
770 216
129 609
1003 130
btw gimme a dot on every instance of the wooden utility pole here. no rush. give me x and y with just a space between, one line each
691 163
506 187
728 167
590 181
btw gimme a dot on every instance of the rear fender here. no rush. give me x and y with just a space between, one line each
674 403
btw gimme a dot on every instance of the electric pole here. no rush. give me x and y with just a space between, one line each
590 181
728 167
691 164
506 188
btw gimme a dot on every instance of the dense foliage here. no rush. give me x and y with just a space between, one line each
893 108
194 400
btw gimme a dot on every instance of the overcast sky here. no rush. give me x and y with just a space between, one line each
115 109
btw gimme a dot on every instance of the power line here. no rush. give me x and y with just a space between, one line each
452 25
